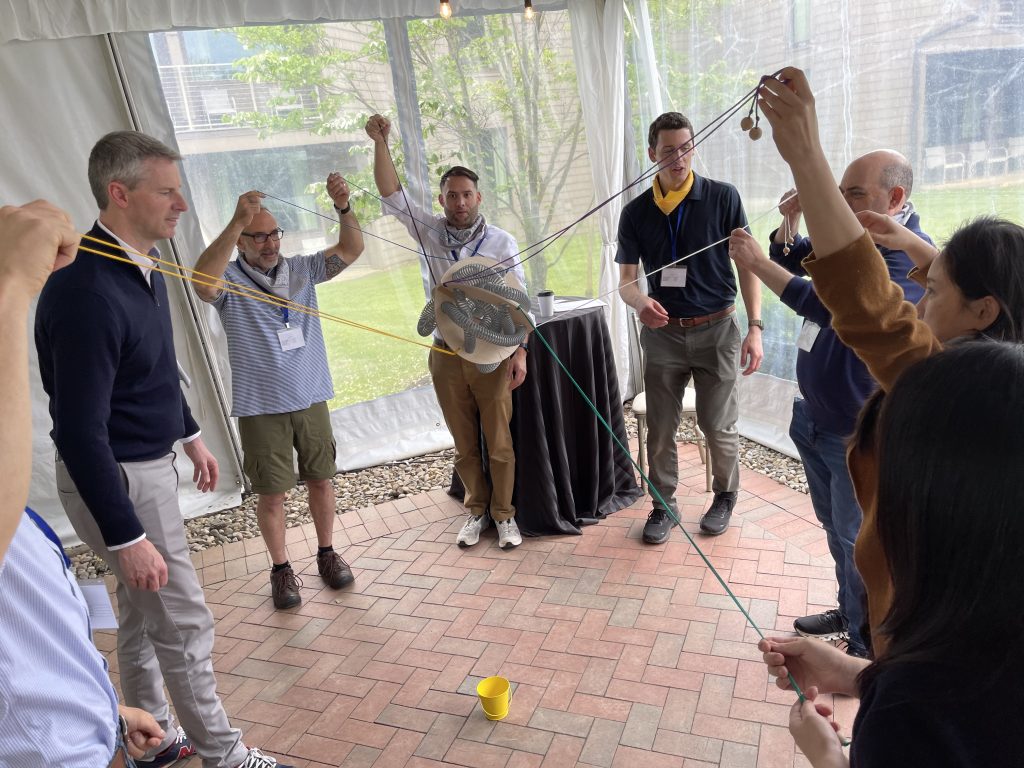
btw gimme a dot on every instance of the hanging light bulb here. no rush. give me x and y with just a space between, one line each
446 9
528 10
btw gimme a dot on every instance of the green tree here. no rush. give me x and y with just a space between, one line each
495 93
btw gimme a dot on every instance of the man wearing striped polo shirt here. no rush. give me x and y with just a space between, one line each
280 379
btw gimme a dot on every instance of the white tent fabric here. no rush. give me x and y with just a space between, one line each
48 140
94 63
597 36
52 19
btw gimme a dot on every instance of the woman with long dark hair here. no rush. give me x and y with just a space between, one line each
934 464
950 436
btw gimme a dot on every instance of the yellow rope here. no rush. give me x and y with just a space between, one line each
244 291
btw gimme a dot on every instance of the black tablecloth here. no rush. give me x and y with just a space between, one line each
569 471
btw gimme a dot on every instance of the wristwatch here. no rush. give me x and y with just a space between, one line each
755 324
343 211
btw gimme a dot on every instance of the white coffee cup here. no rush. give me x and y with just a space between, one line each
546 303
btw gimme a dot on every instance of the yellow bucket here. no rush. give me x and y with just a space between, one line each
494 697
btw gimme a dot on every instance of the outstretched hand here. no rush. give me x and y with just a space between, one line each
378 128
248 206
744 249
812 664
337 188
788 104
815 734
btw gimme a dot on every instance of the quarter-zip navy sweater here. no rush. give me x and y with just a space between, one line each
106 359
832 379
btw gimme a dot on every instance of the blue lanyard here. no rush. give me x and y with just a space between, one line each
455 254
49 533
673 234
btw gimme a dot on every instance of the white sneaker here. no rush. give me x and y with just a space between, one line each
508 534
470 533
256 759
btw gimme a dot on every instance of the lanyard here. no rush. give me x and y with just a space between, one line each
673 234
455 254
49 533
284 310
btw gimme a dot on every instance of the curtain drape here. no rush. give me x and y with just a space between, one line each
597 35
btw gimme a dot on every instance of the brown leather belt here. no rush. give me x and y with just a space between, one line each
690 322
118 760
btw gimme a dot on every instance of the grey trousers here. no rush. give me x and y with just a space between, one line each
710 354
163 637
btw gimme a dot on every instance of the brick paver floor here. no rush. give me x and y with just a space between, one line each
620 653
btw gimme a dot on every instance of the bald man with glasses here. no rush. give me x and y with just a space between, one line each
281 381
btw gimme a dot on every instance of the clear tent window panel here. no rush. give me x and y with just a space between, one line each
499 94
940 81
276 109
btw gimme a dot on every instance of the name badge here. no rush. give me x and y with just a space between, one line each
673 277
808 333
290 338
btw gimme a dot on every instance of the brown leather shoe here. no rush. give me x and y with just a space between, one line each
284 586
334 570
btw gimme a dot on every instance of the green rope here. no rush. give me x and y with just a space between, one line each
659 497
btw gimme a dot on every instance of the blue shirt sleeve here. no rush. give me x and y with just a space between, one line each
798 251
799 296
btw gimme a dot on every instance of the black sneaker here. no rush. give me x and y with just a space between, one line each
716 519
657 527
829 625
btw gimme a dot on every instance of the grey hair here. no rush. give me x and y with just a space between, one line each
119 156
898 174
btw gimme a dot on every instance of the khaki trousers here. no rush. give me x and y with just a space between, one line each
710 354
471 401
163 637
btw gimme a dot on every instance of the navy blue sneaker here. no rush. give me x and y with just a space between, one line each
181 748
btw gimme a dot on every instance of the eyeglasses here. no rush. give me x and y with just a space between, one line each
261 237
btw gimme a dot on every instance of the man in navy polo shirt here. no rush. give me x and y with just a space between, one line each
690 327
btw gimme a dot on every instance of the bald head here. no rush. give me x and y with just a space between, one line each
880 181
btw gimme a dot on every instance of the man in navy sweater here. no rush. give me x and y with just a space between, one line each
106 359
833 381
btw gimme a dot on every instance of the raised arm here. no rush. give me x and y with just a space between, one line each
385 176
850 276
350 237
214 260
788 105
36 239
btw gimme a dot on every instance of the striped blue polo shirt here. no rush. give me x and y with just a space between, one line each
264 378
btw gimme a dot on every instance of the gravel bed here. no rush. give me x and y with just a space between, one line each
396 480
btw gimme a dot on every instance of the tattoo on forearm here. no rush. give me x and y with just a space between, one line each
335 265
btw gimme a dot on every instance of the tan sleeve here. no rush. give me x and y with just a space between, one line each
869 313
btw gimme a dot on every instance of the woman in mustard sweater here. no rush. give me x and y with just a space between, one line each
975 289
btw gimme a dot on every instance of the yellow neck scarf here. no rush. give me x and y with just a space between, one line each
668 203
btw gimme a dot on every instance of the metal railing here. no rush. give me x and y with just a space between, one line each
207 97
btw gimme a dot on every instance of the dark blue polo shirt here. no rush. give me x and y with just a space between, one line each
710 212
